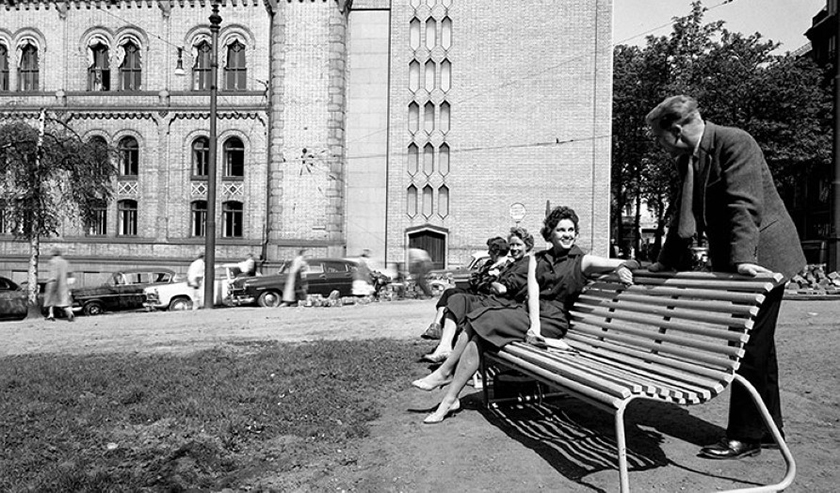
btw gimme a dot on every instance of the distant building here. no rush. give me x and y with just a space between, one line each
342 125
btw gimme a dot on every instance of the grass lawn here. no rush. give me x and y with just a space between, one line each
211 420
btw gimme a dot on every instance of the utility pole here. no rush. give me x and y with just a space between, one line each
210 220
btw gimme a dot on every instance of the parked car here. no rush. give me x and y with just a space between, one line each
13 299
323 276
123 291
179 296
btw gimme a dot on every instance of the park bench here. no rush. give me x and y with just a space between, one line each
671 337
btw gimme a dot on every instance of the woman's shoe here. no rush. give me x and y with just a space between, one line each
422 384
433 332
51 319
436 358
438 416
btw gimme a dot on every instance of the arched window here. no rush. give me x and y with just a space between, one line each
411 201
200 157
28 70
4 68
428 159
443 201
130 70
235 71
201 69
232 219
198 217
129 156
413 159
127 214
413 117
428 207
99 73
443 159
234 152
429 117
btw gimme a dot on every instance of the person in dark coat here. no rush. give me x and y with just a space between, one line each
555 279
729 194
506 286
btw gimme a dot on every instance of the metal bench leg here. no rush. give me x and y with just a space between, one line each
623 476
777 435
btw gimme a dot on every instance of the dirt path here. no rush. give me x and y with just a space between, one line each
564 446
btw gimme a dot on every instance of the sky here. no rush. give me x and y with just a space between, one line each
783 21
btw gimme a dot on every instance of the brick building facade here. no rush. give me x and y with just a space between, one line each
342 125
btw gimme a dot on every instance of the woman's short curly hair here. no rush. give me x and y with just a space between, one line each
554 217
523 235
497 246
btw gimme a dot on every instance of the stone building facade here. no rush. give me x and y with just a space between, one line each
342 125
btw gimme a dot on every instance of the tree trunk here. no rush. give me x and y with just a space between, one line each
33 304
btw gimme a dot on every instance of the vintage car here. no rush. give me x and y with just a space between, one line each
322 276
12 300
179 295
123 291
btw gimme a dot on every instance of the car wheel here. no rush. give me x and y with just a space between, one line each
92 308
269 299
180 304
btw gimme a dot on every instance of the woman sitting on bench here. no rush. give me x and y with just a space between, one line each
509 288
555 279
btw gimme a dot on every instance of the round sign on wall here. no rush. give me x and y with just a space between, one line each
517 211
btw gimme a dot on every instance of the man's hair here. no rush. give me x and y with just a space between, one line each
554 217
673 110
497 246
523 235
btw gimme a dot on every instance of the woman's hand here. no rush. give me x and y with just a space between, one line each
625 275
534 337
498 287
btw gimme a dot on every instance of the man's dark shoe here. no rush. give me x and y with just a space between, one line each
730 449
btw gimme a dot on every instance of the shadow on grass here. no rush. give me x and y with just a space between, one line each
578 440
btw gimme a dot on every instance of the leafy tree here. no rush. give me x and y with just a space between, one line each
738 81
49 175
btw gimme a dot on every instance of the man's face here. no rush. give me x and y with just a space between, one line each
671 140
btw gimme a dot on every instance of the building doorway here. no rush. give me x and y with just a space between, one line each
433 242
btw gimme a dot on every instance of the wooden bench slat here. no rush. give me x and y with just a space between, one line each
709 306
599 318
647 309
718 282
622 390
714 372
700 294
646 335
773 277
720 359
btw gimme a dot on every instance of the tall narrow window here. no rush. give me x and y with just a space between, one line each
232 219
4 68
129 156
443 201
429 117
414 76
127 213
413 159
235 70
413 117
99 74
445 75
414 33
98 222
428 159
201 69
198 217
430 75
234 153
446 33
443 159
28 70
130 70
200 157
411 201
430 33
445 116
428 207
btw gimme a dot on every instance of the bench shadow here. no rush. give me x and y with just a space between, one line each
577 439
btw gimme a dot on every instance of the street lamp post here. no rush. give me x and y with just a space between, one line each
210 220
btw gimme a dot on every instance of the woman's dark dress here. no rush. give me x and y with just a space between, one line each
480 281
561 280
514 277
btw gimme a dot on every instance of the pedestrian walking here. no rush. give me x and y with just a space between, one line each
57 292
195 280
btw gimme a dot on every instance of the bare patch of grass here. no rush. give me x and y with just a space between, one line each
214 419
